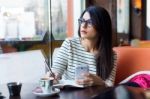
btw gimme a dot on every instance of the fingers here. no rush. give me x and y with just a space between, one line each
86 74
89 83
57 76
49 75
89 79
86 81
55 81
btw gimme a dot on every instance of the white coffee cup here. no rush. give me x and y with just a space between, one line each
46 85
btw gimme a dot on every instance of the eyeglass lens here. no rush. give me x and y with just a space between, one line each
86 22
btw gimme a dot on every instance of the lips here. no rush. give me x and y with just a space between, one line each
84 32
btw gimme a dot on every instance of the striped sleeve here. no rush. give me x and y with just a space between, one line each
61 59
111 79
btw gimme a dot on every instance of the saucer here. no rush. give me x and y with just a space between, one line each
38 92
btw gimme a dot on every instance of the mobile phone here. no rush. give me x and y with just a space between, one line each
80 70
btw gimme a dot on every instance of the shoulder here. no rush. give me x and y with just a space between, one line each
72 41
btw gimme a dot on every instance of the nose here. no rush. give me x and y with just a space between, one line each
84 25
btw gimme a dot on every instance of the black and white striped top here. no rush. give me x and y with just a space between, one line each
71 54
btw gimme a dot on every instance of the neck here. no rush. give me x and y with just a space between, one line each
88 44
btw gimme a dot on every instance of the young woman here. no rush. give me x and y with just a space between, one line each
93 48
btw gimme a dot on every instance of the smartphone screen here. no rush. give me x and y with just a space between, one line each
80 70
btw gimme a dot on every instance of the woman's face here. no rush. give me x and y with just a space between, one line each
87 29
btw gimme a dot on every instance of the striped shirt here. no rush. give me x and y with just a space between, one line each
71 54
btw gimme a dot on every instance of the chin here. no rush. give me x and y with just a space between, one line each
83 36
89 38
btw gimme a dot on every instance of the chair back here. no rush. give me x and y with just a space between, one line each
131 60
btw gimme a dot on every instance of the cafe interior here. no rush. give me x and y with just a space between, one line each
32 31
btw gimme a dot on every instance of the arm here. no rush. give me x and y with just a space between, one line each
111 79
60 61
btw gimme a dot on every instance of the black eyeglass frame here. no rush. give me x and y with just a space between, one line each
88 22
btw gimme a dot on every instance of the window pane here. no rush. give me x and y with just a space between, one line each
23 19
148 13
59 19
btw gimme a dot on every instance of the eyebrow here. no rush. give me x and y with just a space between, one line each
85 19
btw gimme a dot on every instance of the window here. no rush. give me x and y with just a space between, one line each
23 20
123 16
59 19
148 14
65 14
45 21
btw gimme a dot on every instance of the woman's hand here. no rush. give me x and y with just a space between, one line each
55 76
91 80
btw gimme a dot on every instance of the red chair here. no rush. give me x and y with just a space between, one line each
131 60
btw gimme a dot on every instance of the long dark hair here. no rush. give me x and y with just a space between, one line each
102 23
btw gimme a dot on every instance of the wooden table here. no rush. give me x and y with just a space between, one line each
67 93
122 92
118 92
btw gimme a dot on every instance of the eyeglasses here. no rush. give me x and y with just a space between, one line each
88 22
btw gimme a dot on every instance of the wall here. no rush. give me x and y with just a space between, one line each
137 21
